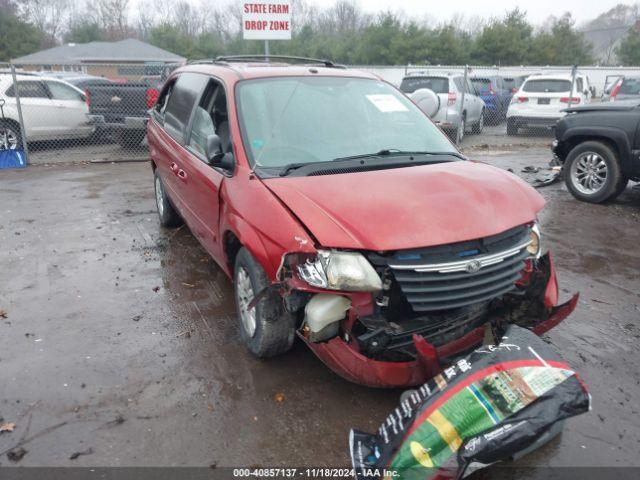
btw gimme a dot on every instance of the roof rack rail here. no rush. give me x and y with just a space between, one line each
265 59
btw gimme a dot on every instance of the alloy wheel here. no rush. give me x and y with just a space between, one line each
245 294
589 173
159 196
8 139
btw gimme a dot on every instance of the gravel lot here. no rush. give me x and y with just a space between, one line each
121 336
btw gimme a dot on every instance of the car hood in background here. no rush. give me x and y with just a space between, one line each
408 207
605 106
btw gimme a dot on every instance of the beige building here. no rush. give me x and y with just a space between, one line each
125 59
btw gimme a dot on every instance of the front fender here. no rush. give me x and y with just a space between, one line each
615 135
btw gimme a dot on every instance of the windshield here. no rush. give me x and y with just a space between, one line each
289 120
630 86
437 84
547 86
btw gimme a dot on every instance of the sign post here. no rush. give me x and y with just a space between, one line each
266 20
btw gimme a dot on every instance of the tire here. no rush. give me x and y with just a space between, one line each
13 136
592 172
131 138
273 330
512 127
459 132
166 213
479 126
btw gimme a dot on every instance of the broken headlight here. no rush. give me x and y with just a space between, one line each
333 270
535 247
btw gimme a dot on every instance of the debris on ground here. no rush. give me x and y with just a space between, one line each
190 285
156 289
16 454
7 427
137 318
119 420
75 455
3 313
500 402
542 176
279 397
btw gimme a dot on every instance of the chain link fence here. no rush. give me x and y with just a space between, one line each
81 113
97 112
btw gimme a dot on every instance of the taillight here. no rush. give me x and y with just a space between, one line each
523 99
451 100
572 100
87 98
152 97
616 90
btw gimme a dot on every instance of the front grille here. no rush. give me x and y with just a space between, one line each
461 274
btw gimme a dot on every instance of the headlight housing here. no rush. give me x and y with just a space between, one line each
335 270
535 247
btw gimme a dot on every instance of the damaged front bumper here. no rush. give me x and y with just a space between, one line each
536 308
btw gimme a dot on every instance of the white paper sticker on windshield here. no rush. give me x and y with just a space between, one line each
387 103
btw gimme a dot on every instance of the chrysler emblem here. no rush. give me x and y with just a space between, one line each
473 266
116 99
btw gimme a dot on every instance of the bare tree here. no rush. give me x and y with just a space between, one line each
47 15
113 17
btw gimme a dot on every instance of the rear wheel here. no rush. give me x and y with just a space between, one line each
10 136
478 127
130 138
460 130
592 172
167 214
267 329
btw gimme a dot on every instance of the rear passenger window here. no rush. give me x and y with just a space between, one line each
180 103
28 89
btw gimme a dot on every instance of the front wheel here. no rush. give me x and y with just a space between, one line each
592 172
267 329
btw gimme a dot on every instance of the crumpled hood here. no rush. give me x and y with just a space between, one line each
408 207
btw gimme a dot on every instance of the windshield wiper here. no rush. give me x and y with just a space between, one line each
392 152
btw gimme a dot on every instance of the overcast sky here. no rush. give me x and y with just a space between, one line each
537 10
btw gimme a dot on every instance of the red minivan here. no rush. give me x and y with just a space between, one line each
346 218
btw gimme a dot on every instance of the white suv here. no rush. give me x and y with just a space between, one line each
541 98
452 117
51 109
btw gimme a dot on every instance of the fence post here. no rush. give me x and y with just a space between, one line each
574 69
23 131
464 89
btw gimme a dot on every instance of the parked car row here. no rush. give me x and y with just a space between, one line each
72 106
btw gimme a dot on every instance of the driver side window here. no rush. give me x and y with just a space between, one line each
210 118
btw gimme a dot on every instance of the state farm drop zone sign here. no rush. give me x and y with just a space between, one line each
266 20
482 409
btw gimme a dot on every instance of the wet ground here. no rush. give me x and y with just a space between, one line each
121 336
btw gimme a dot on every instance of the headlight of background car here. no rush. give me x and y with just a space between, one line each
535 247
348 271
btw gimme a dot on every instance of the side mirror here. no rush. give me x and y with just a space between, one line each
216 157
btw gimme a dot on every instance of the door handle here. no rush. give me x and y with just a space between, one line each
182 175
174 167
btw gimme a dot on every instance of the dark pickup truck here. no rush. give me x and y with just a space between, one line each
599 148
121 109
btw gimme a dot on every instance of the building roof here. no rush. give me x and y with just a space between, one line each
128 50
